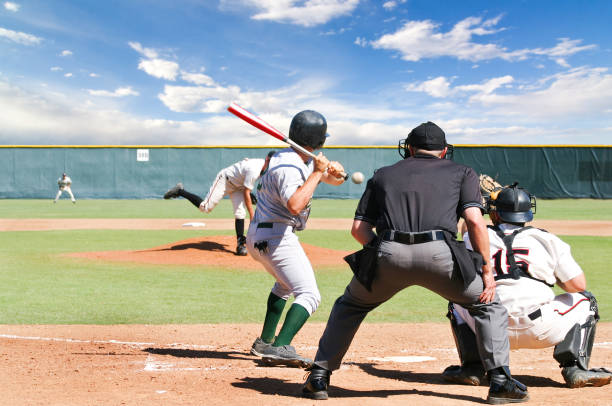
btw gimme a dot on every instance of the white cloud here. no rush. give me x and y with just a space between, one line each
94 75
437 87
417 40
20 37
68 75
66 52
153 64
577 93
10 6
146 52
197 78
360 41
56 68
119 92
159 68
306 13
391 4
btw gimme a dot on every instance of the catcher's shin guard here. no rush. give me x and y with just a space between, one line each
576 347
465 339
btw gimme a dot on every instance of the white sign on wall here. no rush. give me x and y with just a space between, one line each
142 155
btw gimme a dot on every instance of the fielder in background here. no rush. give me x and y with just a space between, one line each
283 207
527 263
64 183
237 181
414 205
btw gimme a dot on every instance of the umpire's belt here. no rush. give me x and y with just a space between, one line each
413 238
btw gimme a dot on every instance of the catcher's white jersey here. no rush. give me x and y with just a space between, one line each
543 255
536 317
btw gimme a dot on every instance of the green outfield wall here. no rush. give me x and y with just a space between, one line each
142 172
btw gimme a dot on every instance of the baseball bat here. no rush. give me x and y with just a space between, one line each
258 123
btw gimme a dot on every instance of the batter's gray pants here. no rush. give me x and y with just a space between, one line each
429 265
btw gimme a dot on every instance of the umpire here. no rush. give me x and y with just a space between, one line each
414 205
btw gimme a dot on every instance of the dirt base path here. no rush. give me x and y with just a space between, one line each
562 227
388 364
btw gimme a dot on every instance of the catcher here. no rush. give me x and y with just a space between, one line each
64 183
527 263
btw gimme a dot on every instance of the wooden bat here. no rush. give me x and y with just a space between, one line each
257 122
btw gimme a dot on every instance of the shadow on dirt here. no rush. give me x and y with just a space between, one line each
436 378
187 353
281 387
202 246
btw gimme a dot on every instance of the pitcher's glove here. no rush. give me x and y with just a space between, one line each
488 185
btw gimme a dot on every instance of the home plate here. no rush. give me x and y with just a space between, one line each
414 358
194 224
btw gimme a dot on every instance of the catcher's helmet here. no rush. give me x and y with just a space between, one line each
425 136
513 204
308 129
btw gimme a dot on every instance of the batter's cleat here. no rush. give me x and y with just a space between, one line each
316 384
174 192
241 247
576 377
285 355
506 390
464 375
259 346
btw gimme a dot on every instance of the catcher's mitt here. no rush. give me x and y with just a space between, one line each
488 185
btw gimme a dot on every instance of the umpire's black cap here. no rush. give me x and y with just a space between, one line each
427 136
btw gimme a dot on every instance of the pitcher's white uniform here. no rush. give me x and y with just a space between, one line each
536 317
283 257
232 181
64 183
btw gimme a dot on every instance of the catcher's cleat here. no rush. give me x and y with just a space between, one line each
464 375
285 355
174 192
506 390
316 384
259 346
576 377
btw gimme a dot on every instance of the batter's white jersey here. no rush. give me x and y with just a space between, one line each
232 181
286 173
536 317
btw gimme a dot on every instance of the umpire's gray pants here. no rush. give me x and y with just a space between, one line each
429 265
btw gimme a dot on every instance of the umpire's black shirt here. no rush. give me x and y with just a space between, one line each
419 193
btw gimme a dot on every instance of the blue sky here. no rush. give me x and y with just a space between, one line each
127 72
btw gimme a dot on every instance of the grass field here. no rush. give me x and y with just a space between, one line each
40 286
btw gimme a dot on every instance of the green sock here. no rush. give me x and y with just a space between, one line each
295 319
273 314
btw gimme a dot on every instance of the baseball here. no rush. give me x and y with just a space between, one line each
357 177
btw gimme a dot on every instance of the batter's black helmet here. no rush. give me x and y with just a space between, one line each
513 204
308 129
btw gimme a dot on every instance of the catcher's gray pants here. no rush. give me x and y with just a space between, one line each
429 265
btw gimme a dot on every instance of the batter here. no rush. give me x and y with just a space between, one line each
283 207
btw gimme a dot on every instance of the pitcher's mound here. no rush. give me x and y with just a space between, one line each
212 251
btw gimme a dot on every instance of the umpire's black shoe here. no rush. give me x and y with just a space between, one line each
506 390
317 383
